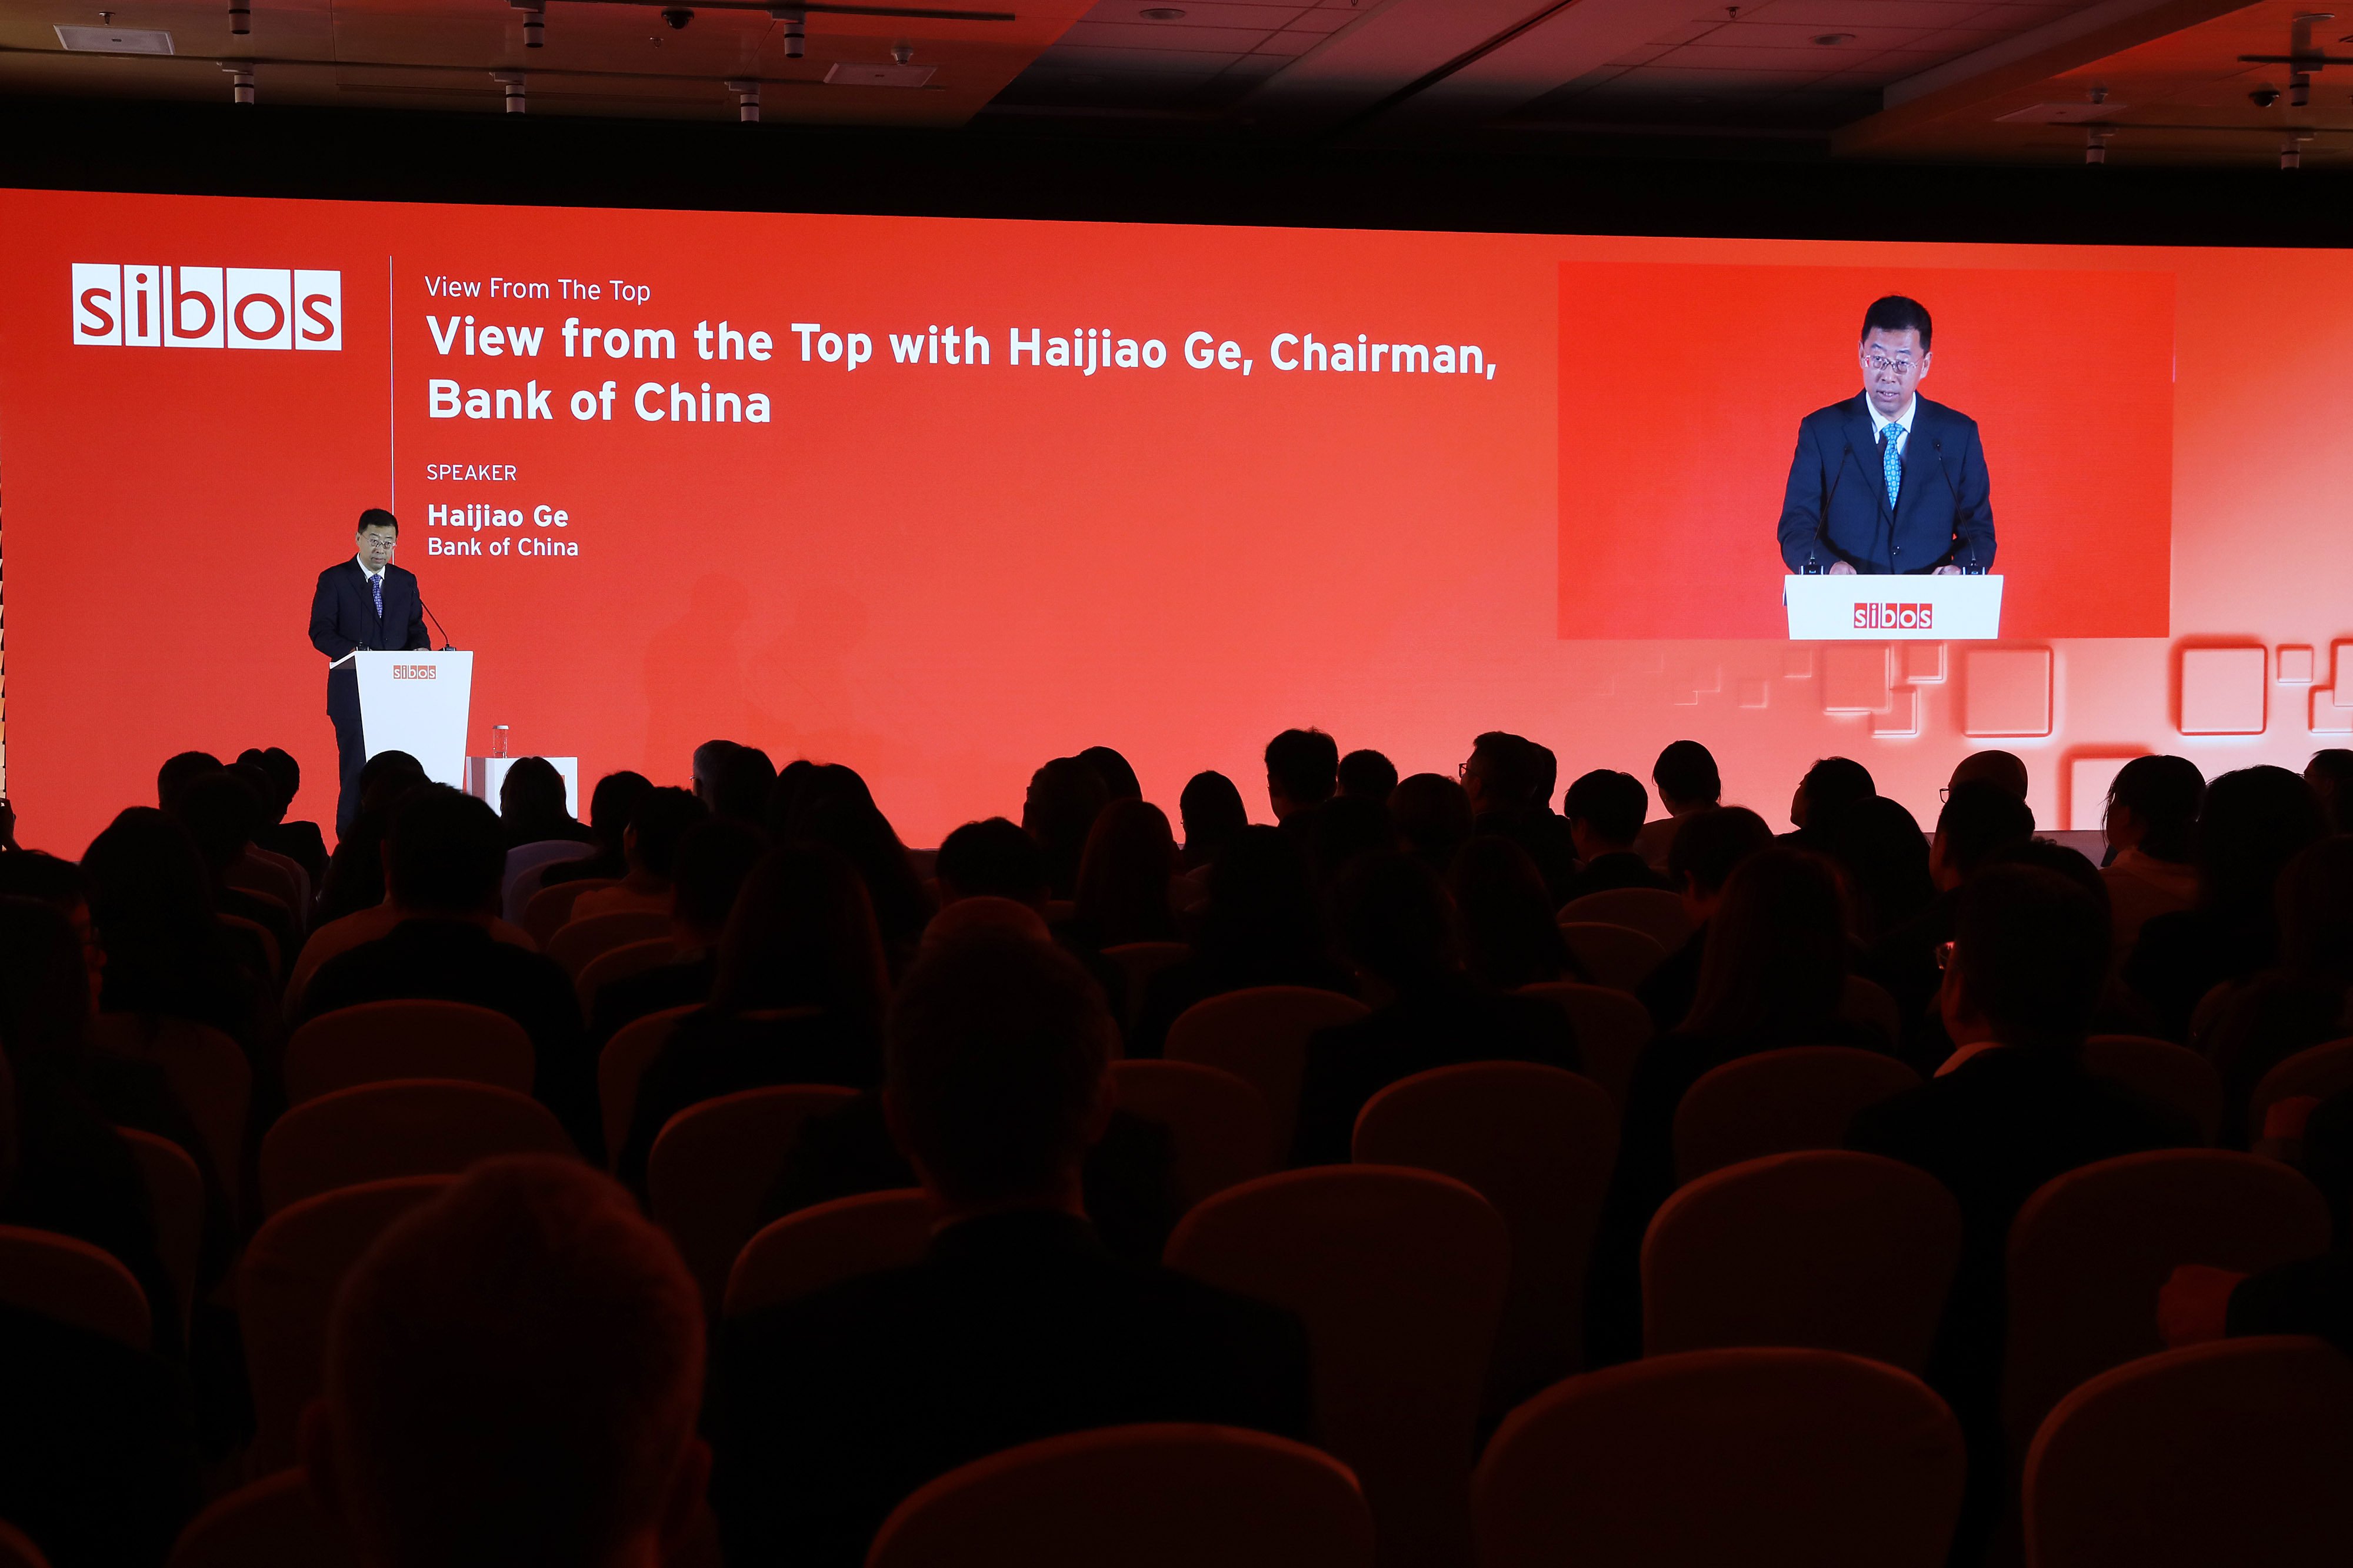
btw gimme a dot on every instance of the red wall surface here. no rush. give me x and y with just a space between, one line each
945 574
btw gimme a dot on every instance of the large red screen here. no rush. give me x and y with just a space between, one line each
945 572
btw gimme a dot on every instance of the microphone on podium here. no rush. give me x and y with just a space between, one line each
447 647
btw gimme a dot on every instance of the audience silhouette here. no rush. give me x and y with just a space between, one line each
514 1371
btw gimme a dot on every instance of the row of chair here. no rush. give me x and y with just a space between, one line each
2232 1452
1772 1102
1439 1276
1261 1036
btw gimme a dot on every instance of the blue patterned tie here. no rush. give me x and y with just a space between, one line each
375 579
1891 463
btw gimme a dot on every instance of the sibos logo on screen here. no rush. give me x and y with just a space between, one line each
137 306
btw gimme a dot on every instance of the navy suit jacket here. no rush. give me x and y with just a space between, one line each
1835 508
343 617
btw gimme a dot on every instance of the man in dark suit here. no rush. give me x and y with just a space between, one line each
1509 779
824 1413
2010 1110
1604 810
363 602
1887 481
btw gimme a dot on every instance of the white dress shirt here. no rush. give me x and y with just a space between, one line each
1880 422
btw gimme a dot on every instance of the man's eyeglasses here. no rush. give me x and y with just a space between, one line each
1900 363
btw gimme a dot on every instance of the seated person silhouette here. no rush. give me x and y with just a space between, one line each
1018 1325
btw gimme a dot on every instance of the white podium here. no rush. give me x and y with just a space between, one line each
416 702
1926 608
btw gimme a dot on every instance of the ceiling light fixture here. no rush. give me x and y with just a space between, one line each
2096 146
513 82
1832 40
116 40
240 17
2302 59
747 100
1163 12
796 28
240 80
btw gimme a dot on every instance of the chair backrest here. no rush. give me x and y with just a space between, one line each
1259 1035
65 1278
1142 1497
526 868
1655 912
274 1522
1139 962
409 1126
1867 1002
576 942
1617 956
286 1283
375 1042
176 1195
17 1550
826 1243
2173 1076
263 935
1223 1132
619 963
2232 1452
2320 1071
207 1071
1827 1249
2090 1250
1400 1277
713 1164
1749 1455
1611 1030
622 1062
1777 1102
1538 1144
550 908
259 871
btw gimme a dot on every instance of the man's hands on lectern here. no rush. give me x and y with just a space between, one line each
1841 569
1947 572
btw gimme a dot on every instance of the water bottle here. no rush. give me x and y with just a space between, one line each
498 740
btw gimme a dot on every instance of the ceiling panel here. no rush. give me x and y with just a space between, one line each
599 57
1913 78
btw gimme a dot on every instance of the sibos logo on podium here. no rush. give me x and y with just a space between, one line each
1894 617
134 305
415 672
